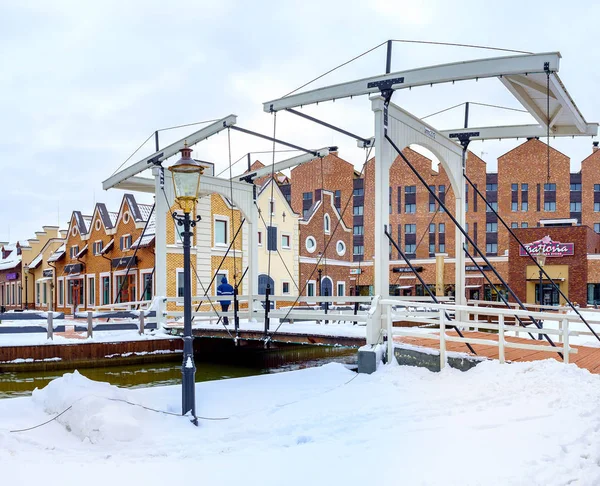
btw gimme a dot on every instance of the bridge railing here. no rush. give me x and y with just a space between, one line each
439 313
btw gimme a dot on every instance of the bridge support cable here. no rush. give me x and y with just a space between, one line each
526 250
465 234
495 289
425 286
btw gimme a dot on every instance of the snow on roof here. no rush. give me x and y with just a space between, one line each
36 261
10 263
148 236
145 210
58 254
82 252
113 218
108 247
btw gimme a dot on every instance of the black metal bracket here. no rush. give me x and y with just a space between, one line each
156 160
386 84
464 137
180 219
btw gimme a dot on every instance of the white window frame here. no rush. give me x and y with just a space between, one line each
259 239
289 236
314 248
343 252
121 273
178 271
327 224
88 288
289 287
60 298
141 280
101 287
337 288
127 235
312 283
219 217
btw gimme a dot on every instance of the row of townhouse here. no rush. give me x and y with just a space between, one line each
533 190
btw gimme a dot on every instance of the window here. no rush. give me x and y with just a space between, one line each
74 251
410 208
307 196
326 223
597 227
410 190
341 289
524 187
310 289
491 187
285 288
549 186
524 225
432 207
61 293
359 191
410 229
442 228
272 238
340 248
596 187
575 207
37 293
105 290
576 187
550 206
285 241
514 206
432 228
514 187
410 248
260 238
596 207
494 206
358 230
491 227
357 210
98 245
359 250
125 242
491 248
442 248
311 244
221 232
514 225
180 283
431 248
524 206
91 291
147 289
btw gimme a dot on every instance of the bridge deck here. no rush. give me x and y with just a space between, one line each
586 357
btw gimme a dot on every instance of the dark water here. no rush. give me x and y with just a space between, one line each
222 365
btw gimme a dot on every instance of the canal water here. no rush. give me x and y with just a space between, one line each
214 366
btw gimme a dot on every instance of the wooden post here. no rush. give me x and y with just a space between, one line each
90 323
50 325
501 339
565 339
560 328
141 330
442 339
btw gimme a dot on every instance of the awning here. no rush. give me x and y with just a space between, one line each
82 252
58 254
108 247
35 262
43 279
124 262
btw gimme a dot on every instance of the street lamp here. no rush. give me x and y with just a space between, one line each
26 271
541 260
186 174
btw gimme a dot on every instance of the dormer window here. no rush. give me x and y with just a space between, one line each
125 242
74 251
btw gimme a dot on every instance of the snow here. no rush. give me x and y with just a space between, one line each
520 424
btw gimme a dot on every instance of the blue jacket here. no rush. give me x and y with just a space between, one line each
225 289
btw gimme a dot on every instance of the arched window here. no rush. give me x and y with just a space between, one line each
326 223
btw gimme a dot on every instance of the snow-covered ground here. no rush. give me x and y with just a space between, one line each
522 424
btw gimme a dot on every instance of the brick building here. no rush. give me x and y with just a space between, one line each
105 260
532 188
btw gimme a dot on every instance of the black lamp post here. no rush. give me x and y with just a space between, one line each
541 259
186 181
26 271
319 272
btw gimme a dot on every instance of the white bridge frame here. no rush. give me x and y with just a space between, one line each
525 76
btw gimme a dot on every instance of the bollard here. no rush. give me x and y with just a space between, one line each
90 323
141 322
50 325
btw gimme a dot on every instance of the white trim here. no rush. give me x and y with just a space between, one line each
143 272
91 277
327 227
289 247
314 248
314 284
60 300
343 252
101 276
338 283
220 217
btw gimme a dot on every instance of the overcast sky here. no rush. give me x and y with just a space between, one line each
83 84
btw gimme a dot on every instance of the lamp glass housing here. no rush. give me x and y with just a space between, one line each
186 182
541 259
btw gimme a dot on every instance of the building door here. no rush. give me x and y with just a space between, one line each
147 295
127 288
326 286
263 281
76 292
549 294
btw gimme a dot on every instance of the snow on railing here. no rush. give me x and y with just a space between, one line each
438 314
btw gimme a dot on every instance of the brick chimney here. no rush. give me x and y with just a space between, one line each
595 146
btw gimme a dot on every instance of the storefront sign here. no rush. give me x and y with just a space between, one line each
473 268
549 248
355 271
47 273
73 268
124 261
12 276
406 269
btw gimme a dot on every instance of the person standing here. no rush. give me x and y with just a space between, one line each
225 289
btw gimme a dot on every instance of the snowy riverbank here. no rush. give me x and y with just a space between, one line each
526 423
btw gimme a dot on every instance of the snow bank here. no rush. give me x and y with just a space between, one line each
96 415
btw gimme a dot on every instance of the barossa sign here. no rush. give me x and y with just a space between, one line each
547 247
